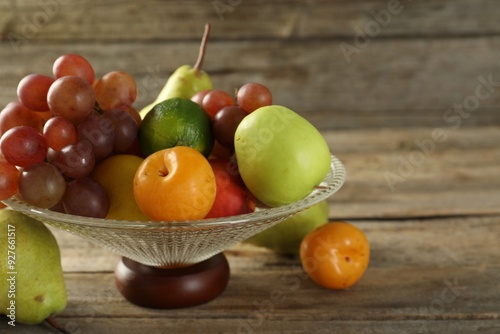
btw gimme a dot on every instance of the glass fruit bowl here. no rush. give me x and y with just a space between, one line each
179 244
166 244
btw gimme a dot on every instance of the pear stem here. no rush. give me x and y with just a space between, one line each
53 323
203 47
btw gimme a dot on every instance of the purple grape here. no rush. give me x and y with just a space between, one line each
41 185
86 197
125 129
98 131
76 160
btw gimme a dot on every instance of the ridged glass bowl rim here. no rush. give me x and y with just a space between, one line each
332 182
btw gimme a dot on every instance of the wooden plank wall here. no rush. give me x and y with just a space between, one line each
429 67
343 64
433 65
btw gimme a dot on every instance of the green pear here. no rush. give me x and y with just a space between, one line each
281 156
32 286
285 237
185 81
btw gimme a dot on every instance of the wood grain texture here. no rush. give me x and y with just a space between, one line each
165 20
394 243
269 326
427 276
416 264
390 83
407 173
429 57
411 108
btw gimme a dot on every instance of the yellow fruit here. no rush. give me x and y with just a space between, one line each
116 175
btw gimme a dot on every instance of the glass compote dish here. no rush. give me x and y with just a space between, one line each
179 263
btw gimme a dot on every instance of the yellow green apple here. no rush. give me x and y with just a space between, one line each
281 156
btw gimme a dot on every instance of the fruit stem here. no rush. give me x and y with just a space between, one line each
53 323
203 47
98 109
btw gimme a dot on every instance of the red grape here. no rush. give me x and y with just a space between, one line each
252 96
73 64
134 113
125 129
51 155
98 131
23 146
72 98
76 160
215 100
225 123
59 207
59 132
32 91
86 197
41 185
9 180
219 151
45 116
198 97
115 89
15 114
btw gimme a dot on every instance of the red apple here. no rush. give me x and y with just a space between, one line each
220 152
232 198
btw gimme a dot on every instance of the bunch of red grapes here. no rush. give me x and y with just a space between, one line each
60 128
63 125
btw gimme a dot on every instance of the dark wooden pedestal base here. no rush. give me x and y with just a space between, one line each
172 288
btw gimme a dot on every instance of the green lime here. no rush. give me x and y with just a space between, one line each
176 122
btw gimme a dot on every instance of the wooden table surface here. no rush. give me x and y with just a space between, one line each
413 112
435 263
